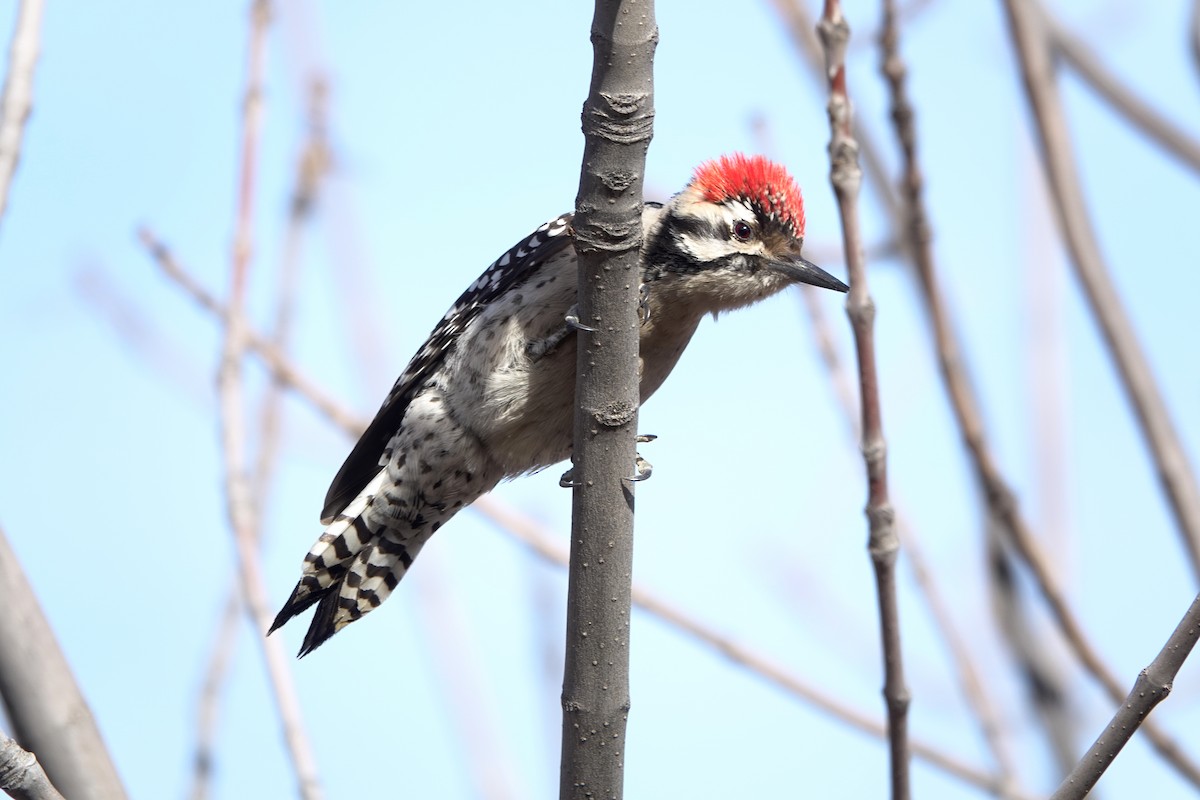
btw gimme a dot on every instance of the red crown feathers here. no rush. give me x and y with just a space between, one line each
756 180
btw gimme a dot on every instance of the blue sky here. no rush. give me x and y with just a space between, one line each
455 132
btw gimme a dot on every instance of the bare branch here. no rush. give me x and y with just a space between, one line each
883 545
1171 463
1152 686
208 704
47 710
618 118
239 497
21 775
1132 107
311 168
17 101
280 367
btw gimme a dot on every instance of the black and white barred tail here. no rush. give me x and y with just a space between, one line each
350 570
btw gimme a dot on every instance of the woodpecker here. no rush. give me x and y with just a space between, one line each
490 395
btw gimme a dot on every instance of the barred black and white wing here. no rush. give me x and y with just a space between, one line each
505 273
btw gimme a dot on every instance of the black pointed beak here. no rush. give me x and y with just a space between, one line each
801 270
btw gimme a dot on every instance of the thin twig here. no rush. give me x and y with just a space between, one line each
918 240
1001 500
17 101
1031 43
1194 35
884 546
1136 110
531 533
239 493
21 776
1041 90
281 368
970 684
1152 686
311 168
208 703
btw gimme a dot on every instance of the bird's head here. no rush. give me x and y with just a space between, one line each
736 231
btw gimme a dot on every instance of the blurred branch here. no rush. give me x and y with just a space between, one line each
1032 46
311 168
1153 684
1137 111
17 100
231 399
918 235
883 544
800 27
45 705
208 703
281 368
1194 37
21 775
531 533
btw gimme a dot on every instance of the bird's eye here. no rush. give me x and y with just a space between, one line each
742 231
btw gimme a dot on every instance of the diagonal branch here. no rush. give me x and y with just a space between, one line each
45 705
18 91
1133 108
1031 43
1152 686
21 776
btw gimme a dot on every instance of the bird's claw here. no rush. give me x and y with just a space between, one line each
644 303
642 470
572 320
642 467
567 481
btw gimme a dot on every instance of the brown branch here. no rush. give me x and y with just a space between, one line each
1031 43
1194 35
531 533
1152 686
311 168
970 684
21 776
17 100
239 496
45 705
1133 108
208 703
883 545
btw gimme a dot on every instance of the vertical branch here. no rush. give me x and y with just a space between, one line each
231 400
884 546
311 167
48 711
18 91
617 125
1030 42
